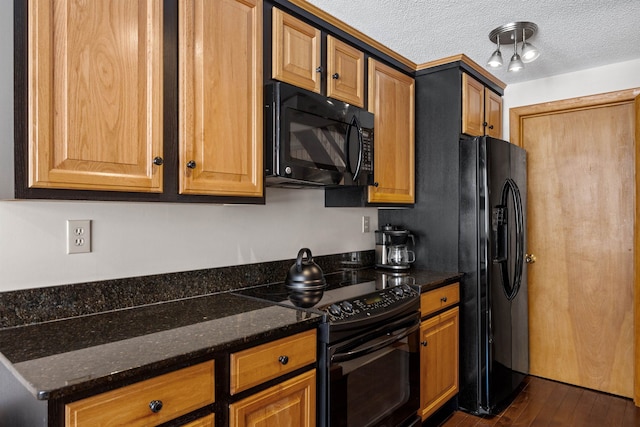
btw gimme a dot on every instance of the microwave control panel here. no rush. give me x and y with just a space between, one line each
367 151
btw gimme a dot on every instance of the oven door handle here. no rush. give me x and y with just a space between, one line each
396 335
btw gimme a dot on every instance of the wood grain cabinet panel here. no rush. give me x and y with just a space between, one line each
220 97
472 106
290 403
208 421
493 113
345 72
95 94
481 109
258 364
180 392
438 299
438 361
296 52
392 100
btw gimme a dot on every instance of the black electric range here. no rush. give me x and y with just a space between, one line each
368 344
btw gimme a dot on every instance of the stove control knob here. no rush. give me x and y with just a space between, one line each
334 310
346 307
398 291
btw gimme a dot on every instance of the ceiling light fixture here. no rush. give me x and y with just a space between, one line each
515 33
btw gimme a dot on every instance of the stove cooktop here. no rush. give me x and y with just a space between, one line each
352 297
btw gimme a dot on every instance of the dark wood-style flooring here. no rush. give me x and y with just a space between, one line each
548 403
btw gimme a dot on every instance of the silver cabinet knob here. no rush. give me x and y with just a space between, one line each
529 258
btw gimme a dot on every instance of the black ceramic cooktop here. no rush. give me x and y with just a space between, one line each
343 285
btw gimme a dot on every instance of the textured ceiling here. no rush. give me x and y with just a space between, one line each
572 34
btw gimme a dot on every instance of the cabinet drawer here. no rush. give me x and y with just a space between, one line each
437 299
258 364
180 392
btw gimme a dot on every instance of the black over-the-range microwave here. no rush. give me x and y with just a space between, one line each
313 140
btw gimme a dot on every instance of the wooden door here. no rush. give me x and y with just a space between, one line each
392 100
438 361
345 72
220 97
296 52
493 113
472 106
580 226
95 95
291 403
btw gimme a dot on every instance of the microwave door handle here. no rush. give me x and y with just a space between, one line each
355 123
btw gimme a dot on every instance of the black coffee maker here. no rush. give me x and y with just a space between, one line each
394 248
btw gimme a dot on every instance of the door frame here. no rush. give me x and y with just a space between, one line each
516 118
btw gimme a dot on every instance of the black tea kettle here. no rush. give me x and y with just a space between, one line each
305 280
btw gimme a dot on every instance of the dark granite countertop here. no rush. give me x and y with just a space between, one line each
94 346
58 358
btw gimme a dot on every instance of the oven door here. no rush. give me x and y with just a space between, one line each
374 379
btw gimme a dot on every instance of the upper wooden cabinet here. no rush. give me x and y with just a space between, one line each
493 113
296 59
391 99
95 95
108 80
296 52
481 109
345 72
220 97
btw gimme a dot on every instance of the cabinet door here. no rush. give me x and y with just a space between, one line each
95 94
207 421
291 403
391 99
345 72
493 113
438 361
296 52
220 97
472 106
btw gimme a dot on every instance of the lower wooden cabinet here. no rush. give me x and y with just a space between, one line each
207 421
265 362
290 403
147 403
439 340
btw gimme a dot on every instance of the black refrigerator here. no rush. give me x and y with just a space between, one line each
494 338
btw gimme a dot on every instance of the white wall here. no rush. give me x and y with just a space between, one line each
133 239
609 78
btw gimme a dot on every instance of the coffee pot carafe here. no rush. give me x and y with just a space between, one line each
394 247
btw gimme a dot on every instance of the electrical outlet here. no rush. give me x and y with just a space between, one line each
78 236
365 224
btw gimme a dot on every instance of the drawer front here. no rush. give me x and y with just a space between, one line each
180 392
258 364
440 298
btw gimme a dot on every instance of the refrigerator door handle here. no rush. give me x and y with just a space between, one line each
501 240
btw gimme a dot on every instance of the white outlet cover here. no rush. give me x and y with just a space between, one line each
78 236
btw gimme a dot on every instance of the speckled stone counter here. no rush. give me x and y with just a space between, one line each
58 358
67 341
